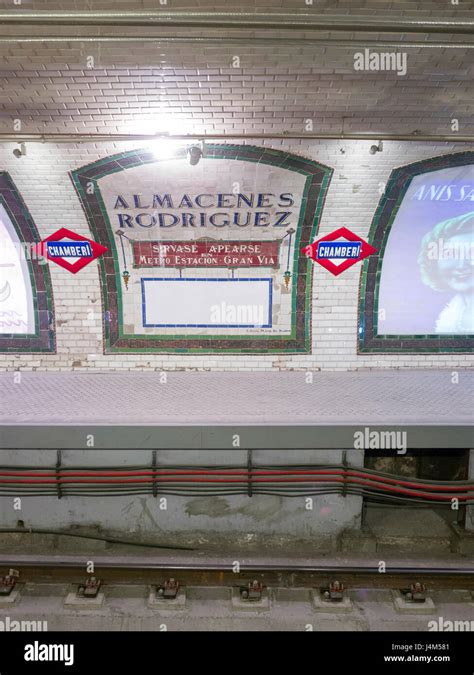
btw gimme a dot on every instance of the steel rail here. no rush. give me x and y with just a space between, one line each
295 575
143 564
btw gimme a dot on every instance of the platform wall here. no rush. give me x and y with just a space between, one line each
201 521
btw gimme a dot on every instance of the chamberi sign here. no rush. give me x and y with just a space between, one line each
338 250
70 250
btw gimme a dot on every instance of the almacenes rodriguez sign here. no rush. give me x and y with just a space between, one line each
205 258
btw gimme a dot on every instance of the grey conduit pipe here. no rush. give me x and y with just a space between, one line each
120 138
259 41
306 21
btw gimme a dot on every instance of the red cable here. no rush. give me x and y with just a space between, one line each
165 472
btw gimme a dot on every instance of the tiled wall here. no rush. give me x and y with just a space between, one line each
358 180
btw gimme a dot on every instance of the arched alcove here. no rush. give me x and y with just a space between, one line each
417 291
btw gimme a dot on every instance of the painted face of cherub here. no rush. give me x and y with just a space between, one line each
456 264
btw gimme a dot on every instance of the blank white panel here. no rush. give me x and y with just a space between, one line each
206 302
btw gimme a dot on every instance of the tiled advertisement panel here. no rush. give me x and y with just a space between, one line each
236 193
26 304
425 207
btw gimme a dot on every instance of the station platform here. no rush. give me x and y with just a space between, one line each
206 409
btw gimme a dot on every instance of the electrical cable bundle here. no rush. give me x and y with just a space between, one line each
193 481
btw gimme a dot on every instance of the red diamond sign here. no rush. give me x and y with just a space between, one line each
70 250
339 250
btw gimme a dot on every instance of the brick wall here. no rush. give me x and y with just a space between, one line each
43 180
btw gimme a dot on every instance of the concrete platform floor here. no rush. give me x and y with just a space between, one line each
187 398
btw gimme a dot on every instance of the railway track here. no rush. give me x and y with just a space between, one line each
297 575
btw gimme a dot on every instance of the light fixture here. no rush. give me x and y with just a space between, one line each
21 151
162 147
374 149
195 152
